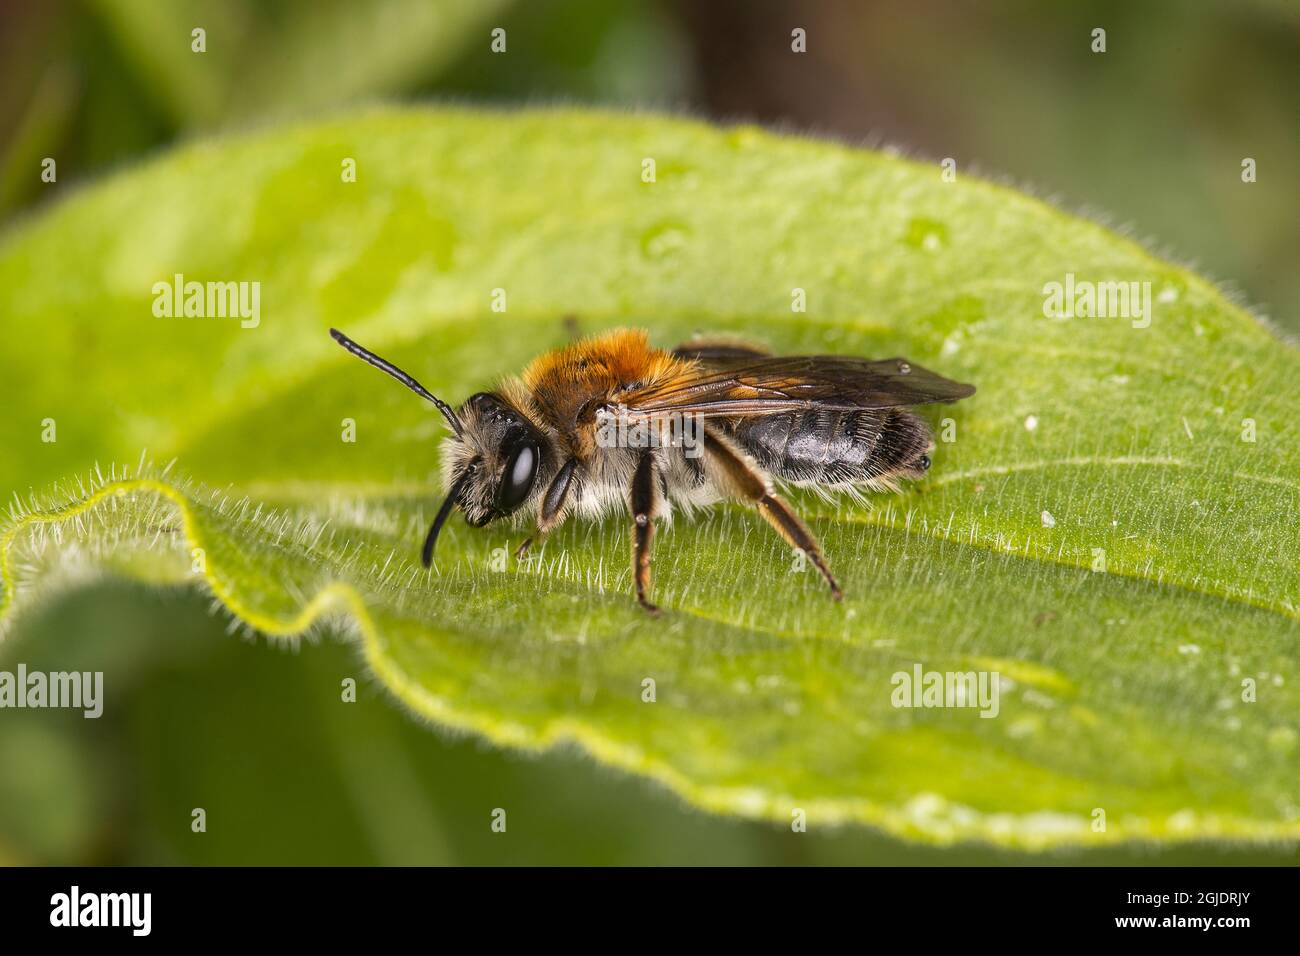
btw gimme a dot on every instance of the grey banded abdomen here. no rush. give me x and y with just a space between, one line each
835 447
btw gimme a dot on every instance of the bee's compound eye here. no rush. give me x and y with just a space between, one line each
923 463
521 469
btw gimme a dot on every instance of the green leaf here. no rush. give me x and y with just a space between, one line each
294 57
1090 443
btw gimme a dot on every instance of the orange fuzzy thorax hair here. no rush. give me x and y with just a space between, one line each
604 365
612 358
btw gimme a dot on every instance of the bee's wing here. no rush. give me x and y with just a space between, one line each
750 385
717 351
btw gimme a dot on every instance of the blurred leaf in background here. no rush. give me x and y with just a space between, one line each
291 58
1150 134
110 79
96 83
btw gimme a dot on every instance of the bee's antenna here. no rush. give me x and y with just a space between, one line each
426 555
384 366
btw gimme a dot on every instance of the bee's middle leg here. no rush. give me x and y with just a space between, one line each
642 499
753 485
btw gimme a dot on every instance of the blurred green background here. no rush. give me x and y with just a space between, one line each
1149 136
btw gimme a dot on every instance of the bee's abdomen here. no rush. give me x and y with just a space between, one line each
836 447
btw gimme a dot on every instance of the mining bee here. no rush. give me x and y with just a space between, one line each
612 422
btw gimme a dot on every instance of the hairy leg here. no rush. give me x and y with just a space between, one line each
642 499
753 486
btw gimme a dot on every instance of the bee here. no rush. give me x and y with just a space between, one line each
611 422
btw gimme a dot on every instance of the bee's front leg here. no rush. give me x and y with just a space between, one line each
551 514
642 498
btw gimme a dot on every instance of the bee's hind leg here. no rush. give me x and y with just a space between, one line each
642 499
753 486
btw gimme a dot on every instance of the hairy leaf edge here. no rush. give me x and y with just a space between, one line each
927 818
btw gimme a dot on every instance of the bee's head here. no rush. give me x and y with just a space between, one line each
490 464
490 467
